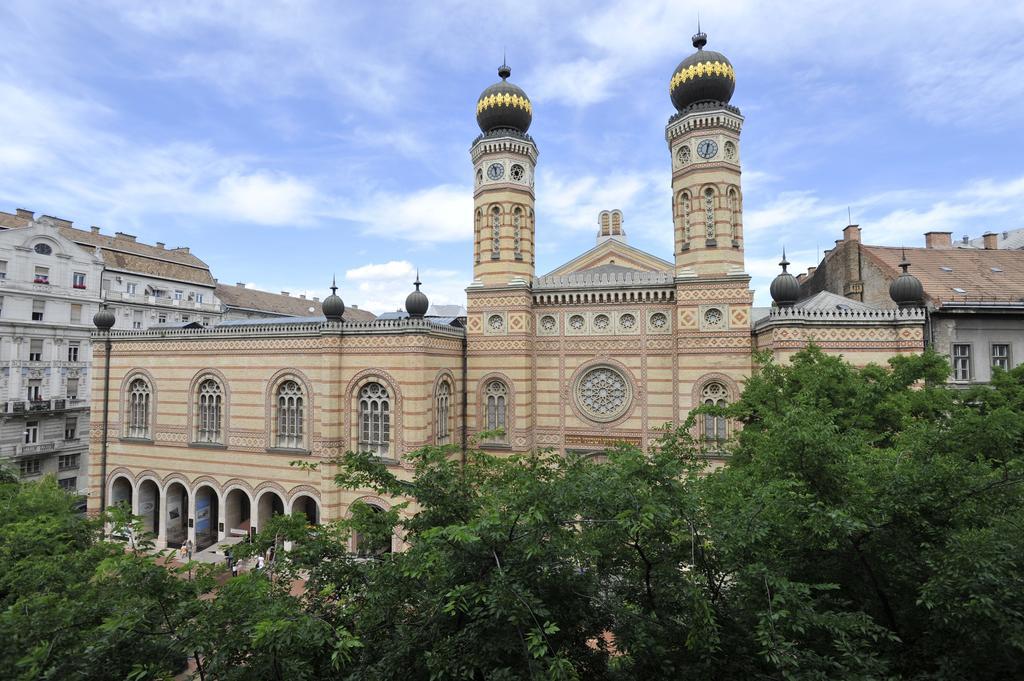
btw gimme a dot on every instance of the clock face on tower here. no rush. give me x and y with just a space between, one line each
707 149
495 171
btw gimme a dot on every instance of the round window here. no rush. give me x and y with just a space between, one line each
627 321
43 249
713 317
576 322
603 394
517 173
659 320
601 321
547 322
495 322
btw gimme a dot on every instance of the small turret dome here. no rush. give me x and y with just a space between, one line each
416 303
785 289
333 306
704 76
104 319
906 290
504 105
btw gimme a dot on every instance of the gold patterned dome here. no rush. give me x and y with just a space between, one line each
504 105
704 76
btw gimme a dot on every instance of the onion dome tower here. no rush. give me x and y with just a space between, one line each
906 290
104 319
504 105
704 76
785 289
333 306
504 162
703 137
416 303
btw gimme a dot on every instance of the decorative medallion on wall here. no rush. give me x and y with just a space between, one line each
659 320
517 173
495 323
603 394
601 322
576 322
547 323
627 321
713 318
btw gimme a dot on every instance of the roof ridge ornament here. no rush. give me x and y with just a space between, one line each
700 38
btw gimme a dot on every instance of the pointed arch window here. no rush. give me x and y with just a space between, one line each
715 428
374 419
709 213
495 233
517 220
291 410
496 408
210 410
442 410
138 409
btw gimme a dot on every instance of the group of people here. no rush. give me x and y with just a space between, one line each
263 560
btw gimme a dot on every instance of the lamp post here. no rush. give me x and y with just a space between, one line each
104 321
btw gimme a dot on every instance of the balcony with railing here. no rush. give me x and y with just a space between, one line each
160 301
56 405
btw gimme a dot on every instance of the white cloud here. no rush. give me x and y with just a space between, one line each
265 198
437 214
383 286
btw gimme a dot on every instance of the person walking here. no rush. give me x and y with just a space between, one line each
260 563
188 545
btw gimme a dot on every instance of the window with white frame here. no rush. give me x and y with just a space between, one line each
31 432
68 484
442 410
70 428
35 350
496 405
72 391
1001 356
178 295
961 362
290 415
73 348
210 404
78 280
199 297
3 269
38 310
34 390
374 419
138 408
67 462
131 288
715 427
42 275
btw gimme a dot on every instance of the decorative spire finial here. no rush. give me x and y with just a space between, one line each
504 71
334 284
784 263
417 282
700 39
904 263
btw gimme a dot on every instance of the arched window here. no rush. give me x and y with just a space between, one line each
715 427
684 212
374 419
138 408
478 235
367 546
517 219
709 213
290 415
442 410
210 412
734 214
533 254
496 396
495 233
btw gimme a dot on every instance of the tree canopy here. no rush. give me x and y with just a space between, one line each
868 524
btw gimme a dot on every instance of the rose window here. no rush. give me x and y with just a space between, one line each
603 394
517 172
601 321
576 322
627 321
547 323
713 317
495 322
659 320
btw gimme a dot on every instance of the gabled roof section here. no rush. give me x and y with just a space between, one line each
826 300
253 300
615 253
959 274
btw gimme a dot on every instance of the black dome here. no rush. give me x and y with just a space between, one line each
504 105
702 77
104 319
785 289
906 289
416 303
333 306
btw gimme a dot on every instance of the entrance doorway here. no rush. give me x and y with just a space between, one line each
207 517
177 515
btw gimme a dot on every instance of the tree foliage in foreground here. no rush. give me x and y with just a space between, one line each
868 526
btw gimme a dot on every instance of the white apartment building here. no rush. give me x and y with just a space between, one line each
49 292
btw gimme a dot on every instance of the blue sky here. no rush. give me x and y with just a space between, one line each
287 141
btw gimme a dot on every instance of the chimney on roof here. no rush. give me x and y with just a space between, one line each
302 296
285 293
810 270
838 241
851 233
938 239
966 240
354 307
160 245
991 240
181 249
1005 235
316 299
22 213
125 236
240 284
94 229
